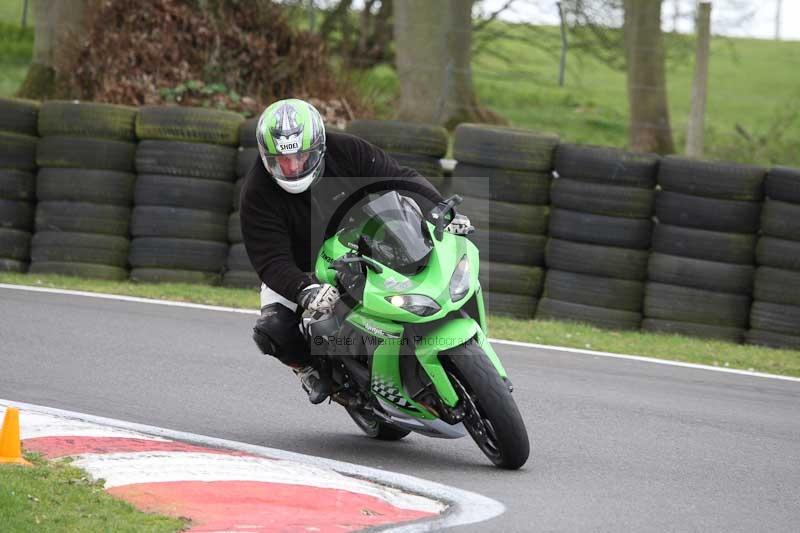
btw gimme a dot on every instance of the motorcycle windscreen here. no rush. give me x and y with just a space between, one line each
395 233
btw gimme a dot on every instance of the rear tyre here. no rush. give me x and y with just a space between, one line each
492 417
373 427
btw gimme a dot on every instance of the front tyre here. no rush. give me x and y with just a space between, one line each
373 426
492 417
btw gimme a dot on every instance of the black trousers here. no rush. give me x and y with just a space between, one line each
277 333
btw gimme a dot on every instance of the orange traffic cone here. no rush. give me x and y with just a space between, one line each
10 447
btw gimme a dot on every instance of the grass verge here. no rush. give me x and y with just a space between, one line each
16 48
55 496
573 335
657 345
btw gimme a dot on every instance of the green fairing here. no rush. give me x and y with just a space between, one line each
386 369
379 318
331 250
481 311
483 342
433 282
384 329
452 334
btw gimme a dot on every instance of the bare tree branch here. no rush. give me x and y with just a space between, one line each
482 24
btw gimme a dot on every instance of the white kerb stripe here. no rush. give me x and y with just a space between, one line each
35 425
161 467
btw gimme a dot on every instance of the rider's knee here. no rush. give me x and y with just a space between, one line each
276 334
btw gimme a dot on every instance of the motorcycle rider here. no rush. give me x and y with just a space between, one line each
301 177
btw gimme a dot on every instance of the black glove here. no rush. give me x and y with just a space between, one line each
318 298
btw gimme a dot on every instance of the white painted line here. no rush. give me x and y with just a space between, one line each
644 359
464 507
564 349
134 299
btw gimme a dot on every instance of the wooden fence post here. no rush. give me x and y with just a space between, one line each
695 128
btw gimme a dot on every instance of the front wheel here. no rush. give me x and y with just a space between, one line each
373 426
492 417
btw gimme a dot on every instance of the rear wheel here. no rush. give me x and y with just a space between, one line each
373 426
492 417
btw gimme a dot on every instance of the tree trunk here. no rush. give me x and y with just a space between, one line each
433 53
650 129
58 28
458 102
419 52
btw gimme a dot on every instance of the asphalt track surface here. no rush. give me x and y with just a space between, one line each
618 445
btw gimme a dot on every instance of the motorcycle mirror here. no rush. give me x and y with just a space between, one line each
439 213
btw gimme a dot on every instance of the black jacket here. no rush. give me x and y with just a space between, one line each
283 232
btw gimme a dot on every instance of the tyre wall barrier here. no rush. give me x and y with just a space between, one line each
186 164
719 258
602 205
701 269
18 139
239 272
503 175
84 189
418 146
775 315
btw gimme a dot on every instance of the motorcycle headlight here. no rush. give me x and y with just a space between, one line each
459 282
414 303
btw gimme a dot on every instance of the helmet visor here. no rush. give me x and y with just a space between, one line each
291 167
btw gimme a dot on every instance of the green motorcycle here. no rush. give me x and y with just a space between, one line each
406 346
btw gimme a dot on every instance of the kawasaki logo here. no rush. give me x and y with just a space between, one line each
395 285
379 332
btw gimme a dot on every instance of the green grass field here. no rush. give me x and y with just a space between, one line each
753 84
11 12
15 55
54 496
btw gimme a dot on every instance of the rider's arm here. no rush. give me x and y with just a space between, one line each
373 162
268 244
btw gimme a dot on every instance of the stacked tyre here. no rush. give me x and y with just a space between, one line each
600 230
18 138
775 315
503 176
239 272
700 274
185 162
84 189
418 146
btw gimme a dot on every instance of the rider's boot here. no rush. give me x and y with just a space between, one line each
316 382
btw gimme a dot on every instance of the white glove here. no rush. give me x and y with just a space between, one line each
460 225
318 298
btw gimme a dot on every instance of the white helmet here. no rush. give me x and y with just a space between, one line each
291 142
